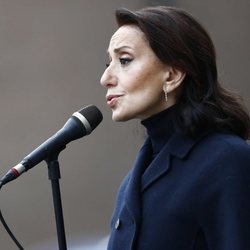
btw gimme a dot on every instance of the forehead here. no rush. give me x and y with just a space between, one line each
128 36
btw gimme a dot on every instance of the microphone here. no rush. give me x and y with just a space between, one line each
81 123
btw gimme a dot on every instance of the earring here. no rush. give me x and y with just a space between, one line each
165 90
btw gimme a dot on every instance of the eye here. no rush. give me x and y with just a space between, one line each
125 60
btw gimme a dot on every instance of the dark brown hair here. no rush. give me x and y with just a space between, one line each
178 40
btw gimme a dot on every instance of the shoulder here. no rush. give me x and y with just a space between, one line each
226 146
210 147
224 157
220 153
227 177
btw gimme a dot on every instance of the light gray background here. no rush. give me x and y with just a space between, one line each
52 54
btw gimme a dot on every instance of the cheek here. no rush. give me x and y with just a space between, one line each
138 81
145 78
147 84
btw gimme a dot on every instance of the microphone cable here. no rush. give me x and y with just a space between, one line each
8 229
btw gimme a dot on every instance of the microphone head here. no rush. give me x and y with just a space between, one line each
90 116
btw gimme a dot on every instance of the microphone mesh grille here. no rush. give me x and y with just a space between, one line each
92 114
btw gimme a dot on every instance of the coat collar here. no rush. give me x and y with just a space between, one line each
178 146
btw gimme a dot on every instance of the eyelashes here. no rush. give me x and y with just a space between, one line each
123 61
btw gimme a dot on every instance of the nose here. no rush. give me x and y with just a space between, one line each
108 79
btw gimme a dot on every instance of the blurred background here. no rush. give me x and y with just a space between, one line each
52 54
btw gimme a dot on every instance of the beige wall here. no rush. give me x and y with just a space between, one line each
52 54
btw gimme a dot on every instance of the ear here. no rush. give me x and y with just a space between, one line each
174 78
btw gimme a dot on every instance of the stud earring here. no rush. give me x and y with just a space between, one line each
165 90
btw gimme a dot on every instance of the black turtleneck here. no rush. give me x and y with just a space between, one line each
160 128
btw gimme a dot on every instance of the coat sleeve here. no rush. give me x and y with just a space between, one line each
225 213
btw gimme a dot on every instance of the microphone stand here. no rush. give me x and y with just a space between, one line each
54 176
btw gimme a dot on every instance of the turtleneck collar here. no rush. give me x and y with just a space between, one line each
160 128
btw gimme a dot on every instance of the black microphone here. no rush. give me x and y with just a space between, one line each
81 123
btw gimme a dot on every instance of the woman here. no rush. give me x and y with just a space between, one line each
190 185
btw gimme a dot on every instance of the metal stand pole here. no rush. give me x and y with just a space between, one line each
54 176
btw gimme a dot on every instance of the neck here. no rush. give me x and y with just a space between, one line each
160 128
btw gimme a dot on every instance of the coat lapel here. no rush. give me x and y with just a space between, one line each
133 197
179 146
159 166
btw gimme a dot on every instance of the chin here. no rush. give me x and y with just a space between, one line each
121 117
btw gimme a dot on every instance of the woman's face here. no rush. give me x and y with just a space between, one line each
134 77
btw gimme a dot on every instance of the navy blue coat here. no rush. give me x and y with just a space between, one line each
195 195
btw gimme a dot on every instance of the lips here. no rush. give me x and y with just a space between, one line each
111 99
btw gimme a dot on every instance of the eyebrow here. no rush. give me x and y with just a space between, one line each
118 49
